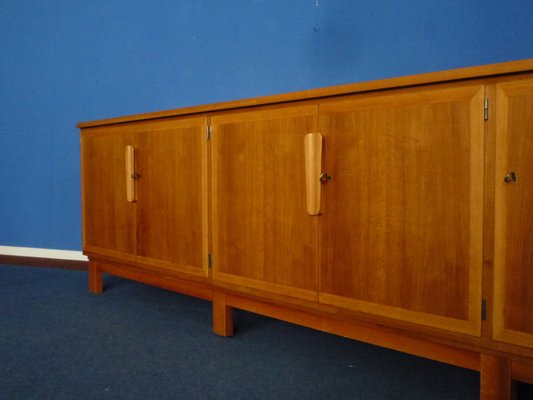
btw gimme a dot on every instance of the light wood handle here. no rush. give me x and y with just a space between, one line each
130 174
313 167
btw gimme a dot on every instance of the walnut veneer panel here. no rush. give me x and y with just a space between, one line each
513 276
402 226
172 196
166 225
263 236
109 222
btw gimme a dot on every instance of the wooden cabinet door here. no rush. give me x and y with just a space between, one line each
109 225
172 195
263 237
513 258
401 230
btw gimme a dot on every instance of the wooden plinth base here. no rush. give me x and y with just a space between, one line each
496 371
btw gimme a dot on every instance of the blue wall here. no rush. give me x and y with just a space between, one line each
64 61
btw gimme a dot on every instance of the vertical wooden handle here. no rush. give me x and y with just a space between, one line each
130 174
313 167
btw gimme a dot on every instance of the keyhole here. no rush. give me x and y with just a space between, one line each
325 178
510 177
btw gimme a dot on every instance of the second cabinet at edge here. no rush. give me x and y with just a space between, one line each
400 232
147 201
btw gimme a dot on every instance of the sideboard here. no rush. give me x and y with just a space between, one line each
395 212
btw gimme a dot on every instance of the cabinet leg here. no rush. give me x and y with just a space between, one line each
222 315
495 378
95 278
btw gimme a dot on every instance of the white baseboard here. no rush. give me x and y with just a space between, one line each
42 253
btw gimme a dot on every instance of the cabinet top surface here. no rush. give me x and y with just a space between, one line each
483 71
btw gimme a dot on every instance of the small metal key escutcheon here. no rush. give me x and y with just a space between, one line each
510 177
325 178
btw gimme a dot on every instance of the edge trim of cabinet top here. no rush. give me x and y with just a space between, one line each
489 70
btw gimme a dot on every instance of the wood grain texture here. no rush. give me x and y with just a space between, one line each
495 378
172 228
166 281
130 173
405 232
513 260
361 87
166 227
95 279
402 222
522 372
313 169
222 315
373 334
262 233
109 223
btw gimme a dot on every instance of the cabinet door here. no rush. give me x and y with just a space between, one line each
172 195
109 226
401 233
263 237
513 258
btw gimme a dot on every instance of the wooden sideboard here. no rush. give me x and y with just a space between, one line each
395 212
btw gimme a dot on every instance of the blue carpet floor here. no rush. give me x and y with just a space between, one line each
57 341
